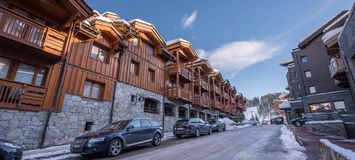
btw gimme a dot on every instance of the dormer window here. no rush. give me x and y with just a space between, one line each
98 53
149 49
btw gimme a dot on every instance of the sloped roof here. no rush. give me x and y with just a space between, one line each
148 28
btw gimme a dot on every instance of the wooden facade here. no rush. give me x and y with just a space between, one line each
34 38
69 49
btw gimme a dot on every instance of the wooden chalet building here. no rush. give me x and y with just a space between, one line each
66 70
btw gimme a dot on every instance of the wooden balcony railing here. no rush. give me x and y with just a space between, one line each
177 92
185 73
17 95
226 95
336 67
24 30
202 83
201 101
216 89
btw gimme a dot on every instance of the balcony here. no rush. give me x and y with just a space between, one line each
21 29
203 84
185 75
336 68
201 102
15 95
226 96
217 90
179 93
216 104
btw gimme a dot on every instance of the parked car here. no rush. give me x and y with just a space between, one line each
218 125
251 122
277 120
192 126
299 122
10 150
115 137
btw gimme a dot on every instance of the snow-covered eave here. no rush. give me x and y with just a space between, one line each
319 30
177 40
346 153
152 26
332 36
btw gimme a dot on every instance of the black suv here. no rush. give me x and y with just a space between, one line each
192 126
115 137
10 150
277 120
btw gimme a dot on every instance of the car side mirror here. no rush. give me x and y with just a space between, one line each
130 127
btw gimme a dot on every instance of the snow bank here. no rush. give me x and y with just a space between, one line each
344 152
290 144
46 152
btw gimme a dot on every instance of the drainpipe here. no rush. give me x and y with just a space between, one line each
122 48
59 85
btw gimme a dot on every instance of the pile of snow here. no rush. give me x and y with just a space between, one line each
290 144
348 154
46 152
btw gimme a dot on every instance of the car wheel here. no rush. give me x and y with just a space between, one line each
298 124
156 139
210 131
115 147
178 136
197 132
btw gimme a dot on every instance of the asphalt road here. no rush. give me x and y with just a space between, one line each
259 142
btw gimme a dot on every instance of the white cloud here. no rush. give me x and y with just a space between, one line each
187 21
236 56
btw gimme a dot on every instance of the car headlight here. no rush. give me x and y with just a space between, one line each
99 139
10 145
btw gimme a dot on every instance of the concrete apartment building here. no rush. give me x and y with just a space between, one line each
317 81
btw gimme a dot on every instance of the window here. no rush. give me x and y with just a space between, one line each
151 75
169 110
182 112
299 86
150 106
40 75
135 123
25 73
145 123
4 67
312 89
98 53
304 59
308 74
320 107
88 126
92 90
134 68
202 115
339 105
154 123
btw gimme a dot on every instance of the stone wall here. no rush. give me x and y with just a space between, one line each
26 127
70 122
22 127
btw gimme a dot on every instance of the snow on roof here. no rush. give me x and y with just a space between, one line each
177 40
348 154
142 21
286 62
322 26
285 105
216 70
332 33
345 15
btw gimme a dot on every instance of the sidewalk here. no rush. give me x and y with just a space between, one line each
63 151
311 140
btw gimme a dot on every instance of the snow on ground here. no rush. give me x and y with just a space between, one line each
344 152
290 144
46 152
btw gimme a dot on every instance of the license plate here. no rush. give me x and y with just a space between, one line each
76 146
179 128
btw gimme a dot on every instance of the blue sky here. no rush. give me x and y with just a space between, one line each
244 39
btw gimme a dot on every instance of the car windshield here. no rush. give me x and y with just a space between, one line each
116 125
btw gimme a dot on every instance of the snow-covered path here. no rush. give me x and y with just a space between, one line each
257 142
